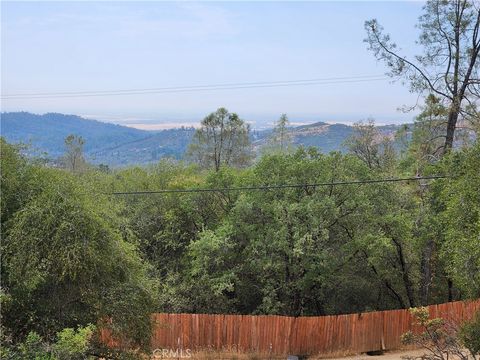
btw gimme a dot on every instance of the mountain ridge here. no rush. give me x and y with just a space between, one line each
118 145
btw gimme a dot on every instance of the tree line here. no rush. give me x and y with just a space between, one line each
73 254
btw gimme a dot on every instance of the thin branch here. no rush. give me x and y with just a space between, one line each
425 77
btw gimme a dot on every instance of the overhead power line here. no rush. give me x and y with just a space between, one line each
196 88
283 186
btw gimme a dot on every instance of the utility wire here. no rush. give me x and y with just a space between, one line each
195 88
201 86
284 186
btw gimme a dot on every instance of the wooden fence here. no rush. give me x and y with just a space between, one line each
280 335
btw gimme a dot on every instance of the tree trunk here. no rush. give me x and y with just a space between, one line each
450 290
387 284
426 267
405 273
451 125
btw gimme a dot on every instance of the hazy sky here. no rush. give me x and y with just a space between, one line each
90 46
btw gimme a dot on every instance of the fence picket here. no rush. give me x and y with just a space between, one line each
280 335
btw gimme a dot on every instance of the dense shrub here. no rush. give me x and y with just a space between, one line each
470 335
65 256
73 345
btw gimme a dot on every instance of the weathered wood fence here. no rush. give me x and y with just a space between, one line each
279 335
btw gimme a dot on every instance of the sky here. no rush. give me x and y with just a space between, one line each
95 46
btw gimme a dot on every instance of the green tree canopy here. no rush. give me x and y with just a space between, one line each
461 196
222 139
65 260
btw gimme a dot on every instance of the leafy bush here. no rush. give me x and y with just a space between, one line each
70 344
63 253
438 336
73 345
33 348
470 335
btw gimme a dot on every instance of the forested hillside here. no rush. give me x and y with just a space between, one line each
47 132
116 145
106 143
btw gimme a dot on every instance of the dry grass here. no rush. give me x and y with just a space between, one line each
233 355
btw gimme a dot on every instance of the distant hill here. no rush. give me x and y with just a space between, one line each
105 143
117 145
48 131
326 137
171 143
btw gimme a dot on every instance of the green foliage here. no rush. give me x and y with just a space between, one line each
73 344
74 159
33 348
129 306
439 337
290 251
444 26
461 251
72 256
70 344
64 257
211 258
370 146
428 136
470 335
13 176
223 139
286 251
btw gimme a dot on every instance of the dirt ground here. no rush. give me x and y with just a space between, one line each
390 355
